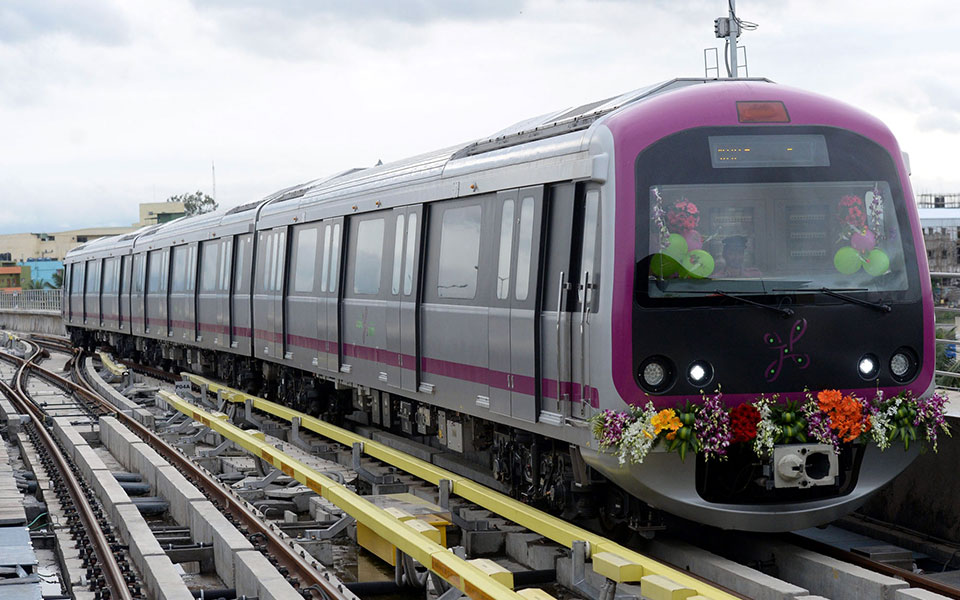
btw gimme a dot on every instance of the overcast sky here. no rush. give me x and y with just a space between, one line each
108 103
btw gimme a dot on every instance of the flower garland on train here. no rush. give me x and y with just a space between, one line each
826 417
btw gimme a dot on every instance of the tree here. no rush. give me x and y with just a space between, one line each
35 284
57 278
196 203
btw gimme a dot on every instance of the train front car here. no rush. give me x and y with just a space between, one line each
766 243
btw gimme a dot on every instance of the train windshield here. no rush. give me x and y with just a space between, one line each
774 238
771 211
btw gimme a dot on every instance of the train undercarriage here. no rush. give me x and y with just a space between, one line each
535 469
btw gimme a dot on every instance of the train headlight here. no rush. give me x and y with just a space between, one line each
903 364
656 374
699 373
868 366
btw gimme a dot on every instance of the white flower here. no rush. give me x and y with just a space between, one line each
767 430
638 438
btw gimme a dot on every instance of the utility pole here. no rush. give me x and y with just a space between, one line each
729 28
732 36
213 170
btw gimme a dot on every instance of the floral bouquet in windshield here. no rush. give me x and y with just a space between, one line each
862 231
682 253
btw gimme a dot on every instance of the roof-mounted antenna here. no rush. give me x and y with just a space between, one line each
729 29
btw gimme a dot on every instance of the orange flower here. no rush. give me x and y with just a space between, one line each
829 399
666 419
845 413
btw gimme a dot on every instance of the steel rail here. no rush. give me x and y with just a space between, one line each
114 579
278 547
914 579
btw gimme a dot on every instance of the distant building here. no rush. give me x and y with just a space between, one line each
13 278
152 213
26 247
940 220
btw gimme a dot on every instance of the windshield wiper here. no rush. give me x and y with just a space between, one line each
881 306
785 312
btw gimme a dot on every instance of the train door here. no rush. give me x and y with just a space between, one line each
138 311
158 271
524 307
241 323
223 293
365 293
208 303
410 298
498 319
401 362
301 300
556 306
91 311
328 309
76 292
268 295
586 284
182 292
126 261
513 318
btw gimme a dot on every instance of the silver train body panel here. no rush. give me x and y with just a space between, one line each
399 333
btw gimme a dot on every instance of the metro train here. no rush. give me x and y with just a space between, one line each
487 299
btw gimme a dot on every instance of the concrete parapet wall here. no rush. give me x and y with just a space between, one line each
924 496
33 321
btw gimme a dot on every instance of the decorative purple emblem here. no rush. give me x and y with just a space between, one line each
785 350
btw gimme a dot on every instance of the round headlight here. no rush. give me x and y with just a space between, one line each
903 364
656 374
699 373
868 366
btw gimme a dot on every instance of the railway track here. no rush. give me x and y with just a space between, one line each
230 504
304 573
109 571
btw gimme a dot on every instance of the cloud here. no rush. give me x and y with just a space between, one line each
418 12
947 121
89 20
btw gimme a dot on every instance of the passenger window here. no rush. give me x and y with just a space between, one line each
180 259
76 278
268 257
366 279
243 243
154 283
326 258
108 275
524 249
588 255
278 263
459 252
306 260
335 258
209 257
397 255
139 271
506 251
411 249
191 273
93 277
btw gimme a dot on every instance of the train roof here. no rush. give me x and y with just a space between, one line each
552 133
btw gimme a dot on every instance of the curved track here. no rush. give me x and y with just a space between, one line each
113 575
305 571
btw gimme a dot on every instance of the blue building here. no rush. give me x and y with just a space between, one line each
42 269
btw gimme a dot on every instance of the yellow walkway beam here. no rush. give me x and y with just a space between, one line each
118 369
632 565
456 571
